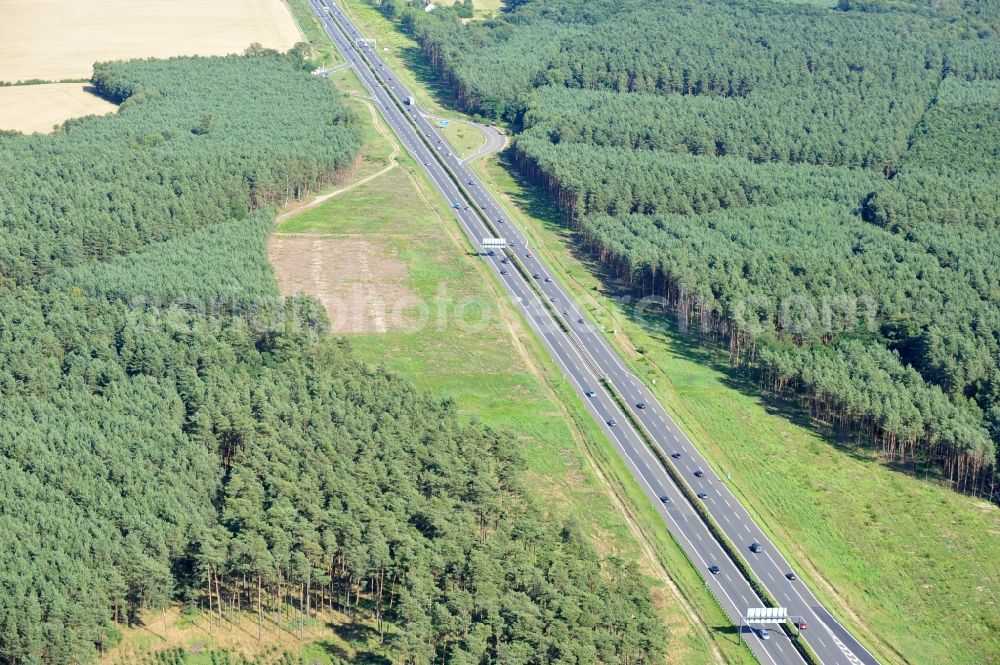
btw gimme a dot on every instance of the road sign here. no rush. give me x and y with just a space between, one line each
494 242
766 615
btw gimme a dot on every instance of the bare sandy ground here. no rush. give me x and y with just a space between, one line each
37 108
360 288
59 39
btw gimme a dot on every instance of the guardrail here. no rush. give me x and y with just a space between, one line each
469 198
727 545
713 527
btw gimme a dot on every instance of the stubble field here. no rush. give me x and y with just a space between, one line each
58 39
54 40
36 108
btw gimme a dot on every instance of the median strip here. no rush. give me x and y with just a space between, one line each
706 517
727 545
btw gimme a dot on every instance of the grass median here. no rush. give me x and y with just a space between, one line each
495 370
891 555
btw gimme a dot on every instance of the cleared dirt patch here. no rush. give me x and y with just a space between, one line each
37 108
360 287
59 39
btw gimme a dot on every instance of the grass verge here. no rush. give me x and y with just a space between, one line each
402 54
474 348
324 53
346 80
893 556
465 139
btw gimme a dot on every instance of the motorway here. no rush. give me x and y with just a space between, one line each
586 357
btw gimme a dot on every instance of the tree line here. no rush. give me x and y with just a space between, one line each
174 431
775 172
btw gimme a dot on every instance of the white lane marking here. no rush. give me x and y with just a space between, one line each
641 477
613 357
808 607
851 658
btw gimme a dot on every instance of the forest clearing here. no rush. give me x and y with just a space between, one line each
357 285
660 156
492 369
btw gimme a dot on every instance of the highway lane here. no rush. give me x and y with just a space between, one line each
596 358
732 591
729 587
495 142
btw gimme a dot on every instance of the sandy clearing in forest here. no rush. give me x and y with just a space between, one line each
359 286
59 39
36 108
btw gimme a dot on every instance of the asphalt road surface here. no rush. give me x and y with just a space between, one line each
495 142
585 356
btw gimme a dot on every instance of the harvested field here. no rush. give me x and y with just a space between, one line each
360 287
59 39
37 108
